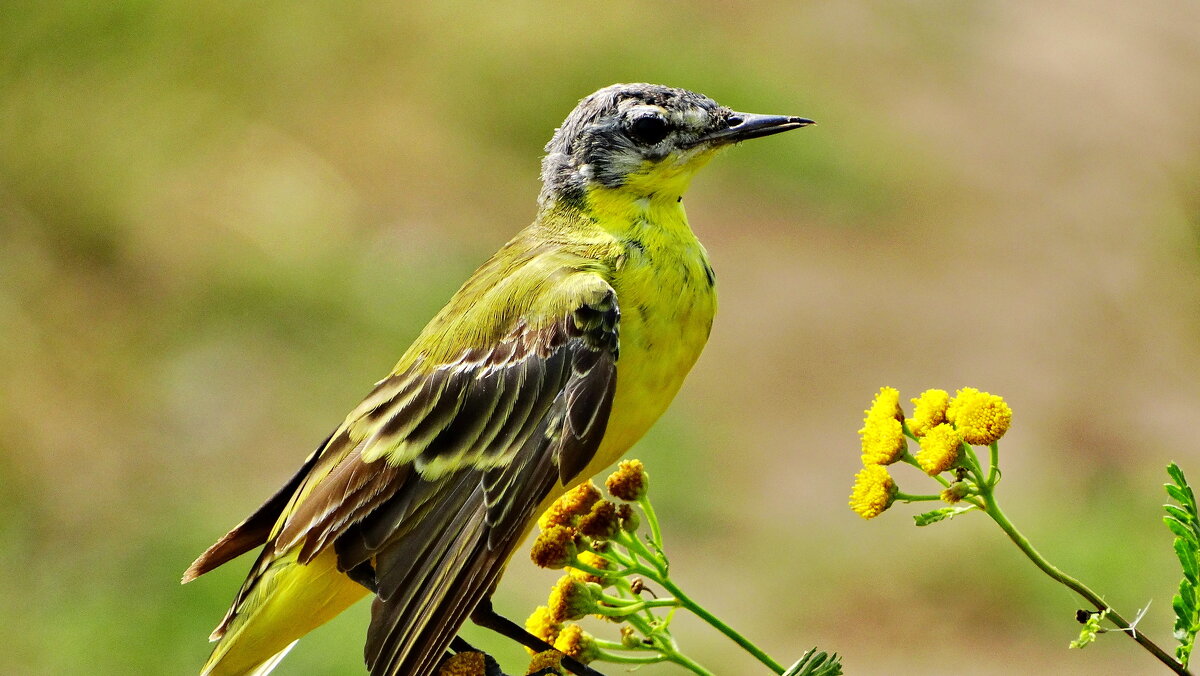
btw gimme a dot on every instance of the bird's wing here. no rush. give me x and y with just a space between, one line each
433 478
552 397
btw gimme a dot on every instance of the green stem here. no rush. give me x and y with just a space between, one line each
636 547
720 626
665 644
993 510
618 658
909 459
688 663
916 498
994 470
655 530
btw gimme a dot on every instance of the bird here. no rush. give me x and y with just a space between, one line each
544 368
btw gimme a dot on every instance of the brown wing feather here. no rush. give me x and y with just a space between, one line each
256 528
470 448
431 578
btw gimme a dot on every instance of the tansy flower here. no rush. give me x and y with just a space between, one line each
546 663
554 547
629 482
882 433
929 410
603 522
980 417
542 625
939 449
595 561
468 663
873 492
570 599
573 641
573 504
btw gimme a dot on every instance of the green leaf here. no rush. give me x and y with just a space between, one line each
814 663
1180 495
940 515
1176 474
1188 593
1187 558
1181 530
1178 513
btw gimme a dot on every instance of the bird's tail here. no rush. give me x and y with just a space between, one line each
284 602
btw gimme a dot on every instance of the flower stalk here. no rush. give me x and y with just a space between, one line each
947 431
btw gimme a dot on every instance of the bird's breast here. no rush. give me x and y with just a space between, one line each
665 291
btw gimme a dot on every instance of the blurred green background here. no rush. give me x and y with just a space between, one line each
222 222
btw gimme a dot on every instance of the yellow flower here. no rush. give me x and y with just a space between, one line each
573 504
548 662
882 432
595 561
929 410
603 522
980 417
542 625
886 404
873 492
573 641
570 599
939 449
554 547
468 663
629 482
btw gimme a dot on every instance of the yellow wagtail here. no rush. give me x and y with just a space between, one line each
544 368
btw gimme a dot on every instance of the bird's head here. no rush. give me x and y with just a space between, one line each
644 138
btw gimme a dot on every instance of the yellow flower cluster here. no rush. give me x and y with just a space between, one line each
882 431
883 443
629 482
929 411
939 449
873 491
982 418
942 425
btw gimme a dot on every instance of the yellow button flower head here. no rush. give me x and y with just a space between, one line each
873 492
554 547
980 417
929 410
939 449
548 662
467 663
573 504
603 522
882 432
629 482
595 561
542 625
573 641
570 599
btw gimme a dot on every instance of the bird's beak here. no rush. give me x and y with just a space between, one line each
744 126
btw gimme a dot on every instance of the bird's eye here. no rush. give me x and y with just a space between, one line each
649 129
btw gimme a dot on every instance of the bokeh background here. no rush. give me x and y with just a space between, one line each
222 222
